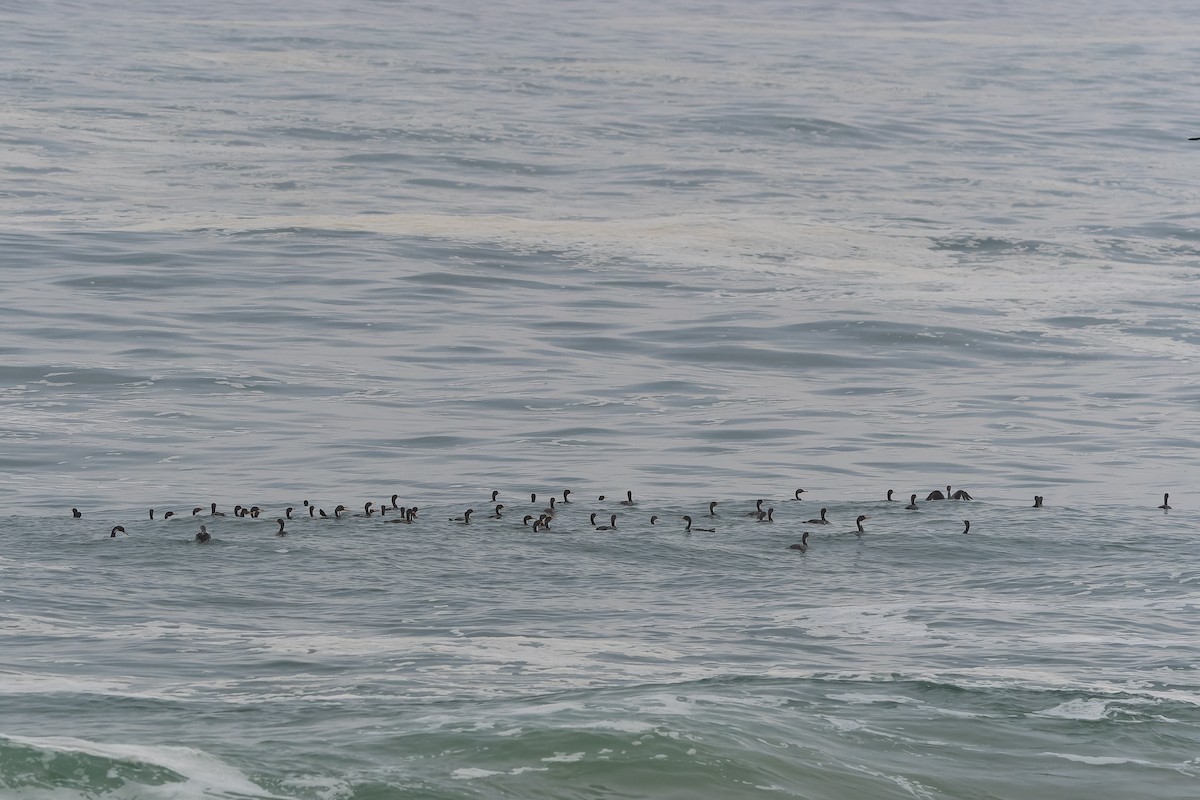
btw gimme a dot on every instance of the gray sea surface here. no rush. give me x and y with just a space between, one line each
266 253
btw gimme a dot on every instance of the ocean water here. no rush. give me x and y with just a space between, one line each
262 253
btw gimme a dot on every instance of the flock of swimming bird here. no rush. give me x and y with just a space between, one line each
542 522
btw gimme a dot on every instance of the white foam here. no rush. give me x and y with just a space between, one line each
564 758
1100 760
470 773
1092 709
203 774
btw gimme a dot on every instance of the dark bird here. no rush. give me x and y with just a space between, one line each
76 513
611 526
168 515
152 513
891 492
203 536
821 521
712 508
113 533
1165 506
213 511
197 510
628 501
966 526
798 493
912 503
465 519
653 518
281 531
689 527
961 494
767 516
937 495
860 519
1037 501
497 515
529 517
757 509
337 512
566 494
495 494
288 512
803 545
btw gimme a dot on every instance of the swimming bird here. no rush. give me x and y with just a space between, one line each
288 512
168 515
281 531
152 513
860 519
76 513
611 526
767 516
543 523
213 512
197 510
803 545
255 511
1165 506
321 511
203 536
337 512
961 494
530 516
600 498
653 518
712 508
465 519
395 497
798 493
891 492
912 503
757 509
312 508
403 518
237 511
566 494
113 533
966 526
689 527
495 494
1037 501
937 495
497 515
628 501
822 520
532 498
367 510
550 511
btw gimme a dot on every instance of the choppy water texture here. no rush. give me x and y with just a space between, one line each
262 253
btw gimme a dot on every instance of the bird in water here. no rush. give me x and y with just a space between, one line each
288 513
152 513
532 499
197 510
213 511
367 510
859 521
566 494
611 526
653 518
822 520
1165 506
936 494
76 513
497 515
1037 501
465 519
495 494
767 516
530 516
966 526
912 503
113 533
203 536
961 494
542 524
803 545
712 508
891 492
337 512
798 493
396 497
689 527
550 512
628 501
168 515
281 531
757 509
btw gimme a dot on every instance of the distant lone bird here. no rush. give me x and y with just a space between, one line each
75 512
1165 506
113 534
966 526
1037 501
